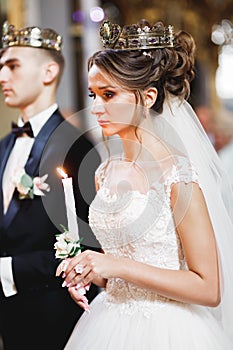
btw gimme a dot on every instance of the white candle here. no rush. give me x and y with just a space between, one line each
70 204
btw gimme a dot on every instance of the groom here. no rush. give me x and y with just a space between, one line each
35 311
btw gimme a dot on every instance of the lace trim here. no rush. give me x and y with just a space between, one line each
184 171
147 308
141 227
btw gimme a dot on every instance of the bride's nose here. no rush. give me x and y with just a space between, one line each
97 108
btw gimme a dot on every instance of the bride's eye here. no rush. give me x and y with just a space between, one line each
91 95
109 94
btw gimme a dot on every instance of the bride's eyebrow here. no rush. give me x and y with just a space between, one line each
104 87
107 87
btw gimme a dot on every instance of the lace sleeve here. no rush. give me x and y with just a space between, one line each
182 171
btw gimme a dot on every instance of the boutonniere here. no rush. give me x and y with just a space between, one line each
28 186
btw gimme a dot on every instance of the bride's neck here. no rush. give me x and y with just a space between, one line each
139 147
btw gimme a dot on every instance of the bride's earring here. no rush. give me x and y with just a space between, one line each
146 112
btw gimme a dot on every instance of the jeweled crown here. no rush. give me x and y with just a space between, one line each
136 37
30 36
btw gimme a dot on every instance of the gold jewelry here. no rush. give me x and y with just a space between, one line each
30 36
136 37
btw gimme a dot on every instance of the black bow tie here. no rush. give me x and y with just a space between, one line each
20 130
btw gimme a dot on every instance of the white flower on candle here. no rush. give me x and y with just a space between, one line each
65 246
68 242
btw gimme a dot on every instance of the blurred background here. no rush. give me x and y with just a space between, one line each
209 21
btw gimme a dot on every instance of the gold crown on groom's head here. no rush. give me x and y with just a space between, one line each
136 36
30 36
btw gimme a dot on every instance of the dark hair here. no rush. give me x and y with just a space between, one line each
169 70
57 57
54 55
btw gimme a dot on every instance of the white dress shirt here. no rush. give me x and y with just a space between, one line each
17 159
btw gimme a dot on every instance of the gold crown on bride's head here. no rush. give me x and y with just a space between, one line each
30 36
136 37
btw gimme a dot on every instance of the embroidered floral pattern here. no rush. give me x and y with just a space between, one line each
140 226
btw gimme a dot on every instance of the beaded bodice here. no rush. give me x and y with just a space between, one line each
131 216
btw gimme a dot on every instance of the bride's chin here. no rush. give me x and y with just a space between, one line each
107 132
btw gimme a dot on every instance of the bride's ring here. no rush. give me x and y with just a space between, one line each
78 269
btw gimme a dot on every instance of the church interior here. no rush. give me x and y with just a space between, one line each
209 21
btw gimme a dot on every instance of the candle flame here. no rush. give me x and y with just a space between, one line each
62 173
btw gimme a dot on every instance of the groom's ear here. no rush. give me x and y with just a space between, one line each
51 71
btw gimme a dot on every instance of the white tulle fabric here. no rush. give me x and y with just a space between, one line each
137 222
179 126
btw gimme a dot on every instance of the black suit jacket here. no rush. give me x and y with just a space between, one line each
27 231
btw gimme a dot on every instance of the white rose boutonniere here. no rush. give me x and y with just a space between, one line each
27 186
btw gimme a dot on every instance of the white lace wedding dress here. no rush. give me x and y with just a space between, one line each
136 221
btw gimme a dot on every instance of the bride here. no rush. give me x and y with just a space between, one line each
159 215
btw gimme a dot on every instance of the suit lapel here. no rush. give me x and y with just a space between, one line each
5 155
34 158
33 161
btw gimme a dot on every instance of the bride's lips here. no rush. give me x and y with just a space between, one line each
103 122
6 91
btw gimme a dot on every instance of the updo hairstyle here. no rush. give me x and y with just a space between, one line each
169 70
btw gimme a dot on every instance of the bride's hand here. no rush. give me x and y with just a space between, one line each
80 299
90 266
62 267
